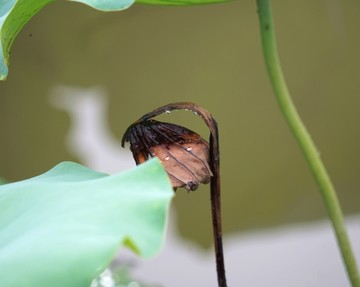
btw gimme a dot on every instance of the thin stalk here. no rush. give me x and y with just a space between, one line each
303 138
215 192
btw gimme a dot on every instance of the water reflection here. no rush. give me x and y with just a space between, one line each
89 137
297 255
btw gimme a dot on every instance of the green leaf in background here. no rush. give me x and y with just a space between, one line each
64 227
107 5
14 14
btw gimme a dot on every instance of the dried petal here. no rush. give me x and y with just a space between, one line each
184 153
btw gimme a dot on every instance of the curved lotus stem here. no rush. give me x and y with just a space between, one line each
214 163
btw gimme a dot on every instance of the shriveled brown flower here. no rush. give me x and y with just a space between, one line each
183 153
188 159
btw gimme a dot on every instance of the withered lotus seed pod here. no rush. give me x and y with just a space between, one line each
186 156
183 153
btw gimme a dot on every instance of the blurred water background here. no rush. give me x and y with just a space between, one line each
79 77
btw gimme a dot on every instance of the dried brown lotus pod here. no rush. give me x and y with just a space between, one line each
188 159
183 153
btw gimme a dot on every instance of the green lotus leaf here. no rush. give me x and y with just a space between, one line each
64 227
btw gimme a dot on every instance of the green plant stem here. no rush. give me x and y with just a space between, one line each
303 138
